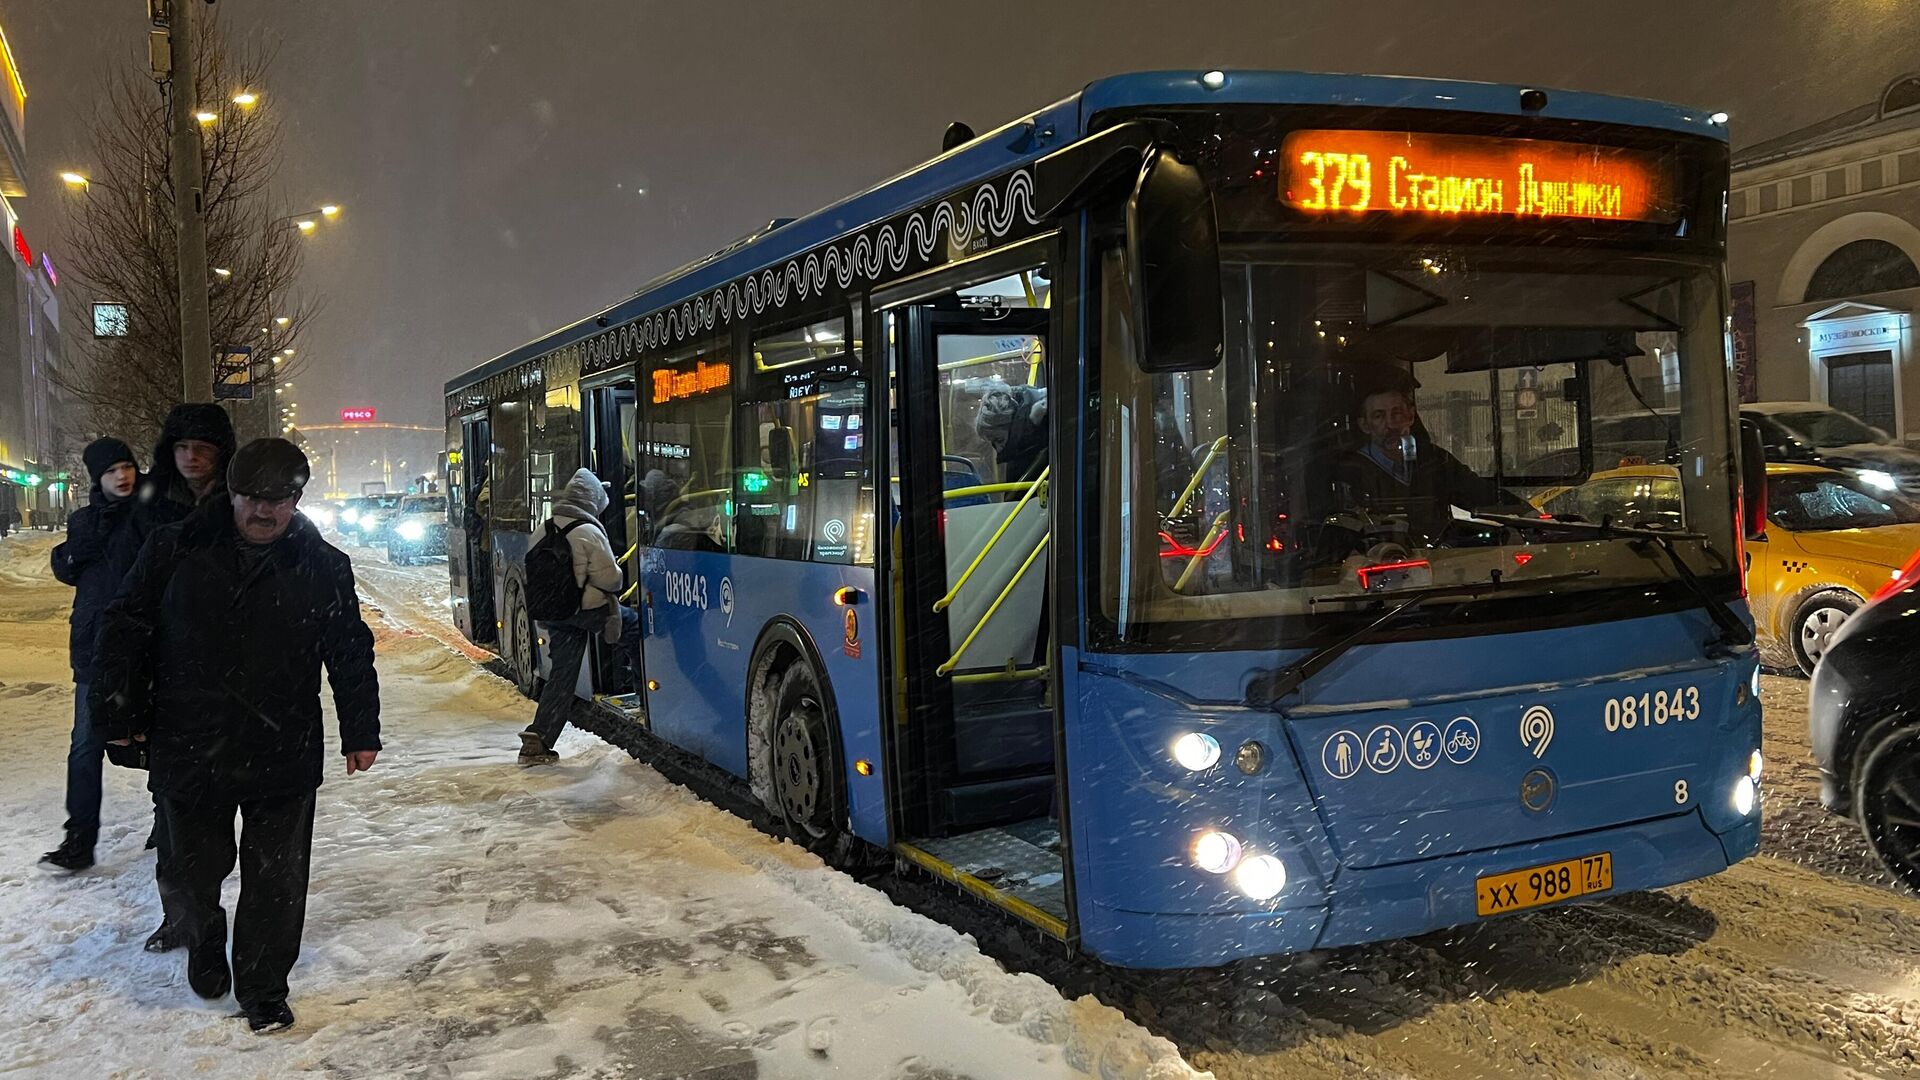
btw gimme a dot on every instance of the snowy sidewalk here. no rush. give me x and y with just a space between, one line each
470 918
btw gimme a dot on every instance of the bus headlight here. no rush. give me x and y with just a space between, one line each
415 531
1754 764
1196 750
1261 877
1745 791
1216 852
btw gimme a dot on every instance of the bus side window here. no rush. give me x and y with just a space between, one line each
686 458
805 490
508 487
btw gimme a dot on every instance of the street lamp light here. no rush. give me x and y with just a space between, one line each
245 99
206 117
329 210
74 179
306 225
222 271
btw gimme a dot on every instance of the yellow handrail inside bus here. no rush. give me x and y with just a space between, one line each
1010 673
989 358
1037 483
1193 485
1206 548
706 494
987 489
954 660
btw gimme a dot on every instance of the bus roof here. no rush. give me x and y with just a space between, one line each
1040 133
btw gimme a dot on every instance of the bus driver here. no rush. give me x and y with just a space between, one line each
1399 469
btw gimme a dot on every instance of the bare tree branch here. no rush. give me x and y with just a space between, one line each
123 247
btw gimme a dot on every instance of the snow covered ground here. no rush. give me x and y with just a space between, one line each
471 918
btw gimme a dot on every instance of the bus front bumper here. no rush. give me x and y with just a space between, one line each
1408 899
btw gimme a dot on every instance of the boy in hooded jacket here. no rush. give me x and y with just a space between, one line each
94 558
597 571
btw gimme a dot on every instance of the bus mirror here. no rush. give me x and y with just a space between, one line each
1173 259
1753 481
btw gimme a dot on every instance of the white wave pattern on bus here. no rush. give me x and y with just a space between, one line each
989 215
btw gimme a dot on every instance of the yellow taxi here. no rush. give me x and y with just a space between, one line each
1832 541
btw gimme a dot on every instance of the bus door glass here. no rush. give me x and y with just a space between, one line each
610 451
473 564
977 749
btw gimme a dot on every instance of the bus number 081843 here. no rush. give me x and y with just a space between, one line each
1656 707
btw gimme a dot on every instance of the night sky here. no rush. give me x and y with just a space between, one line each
508 166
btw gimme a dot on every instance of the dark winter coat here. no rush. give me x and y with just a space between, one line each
98 552
213 650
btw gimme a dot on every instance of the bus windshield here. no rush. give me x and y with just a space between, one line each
1375 400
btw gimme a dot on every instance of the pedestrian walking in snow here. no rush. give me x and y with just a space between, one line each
591 606
213 651
189 468
93 559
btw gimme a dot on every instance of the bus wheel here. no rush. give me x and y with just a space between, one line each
806 796
520 647
1887 801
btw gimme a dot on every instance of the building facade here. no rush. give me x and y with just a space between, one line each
1824 256
362 458
36 485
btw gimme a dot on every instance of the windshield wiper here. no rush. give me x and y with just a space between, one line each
1269 688
1733 632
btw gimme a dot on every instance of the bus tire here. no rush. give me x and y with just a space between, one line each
519 645
804 760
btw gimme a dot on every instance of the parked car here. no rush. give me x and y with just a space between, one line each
418 529
1862 718
1831 541
1809 433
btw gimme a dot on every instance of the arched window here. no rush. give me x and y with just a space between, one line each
1903 94
1862 267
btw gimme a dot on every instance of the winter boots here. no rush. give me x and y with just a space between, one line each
207 970
74 853
268 1017
535 752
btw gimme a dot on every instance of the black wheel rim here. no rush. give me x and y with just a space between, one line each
1896 824
522 640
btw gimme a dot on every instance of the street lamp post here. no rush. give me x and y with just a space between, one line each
189 218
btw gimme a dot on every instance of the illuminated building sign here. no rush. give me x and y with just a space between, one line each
702 378
1413 174
20 247
356 416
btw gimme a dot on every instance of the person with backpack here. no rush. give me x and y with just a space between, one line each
573 592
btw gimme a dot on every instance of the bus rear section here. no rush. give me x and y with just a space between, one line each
1343 678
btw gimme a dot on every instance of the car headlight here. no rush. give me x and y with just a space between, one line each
1196 751
1877 478
411 530
320 516
349 517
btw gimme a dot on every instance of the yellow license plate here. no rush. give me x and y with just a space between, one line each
1553 883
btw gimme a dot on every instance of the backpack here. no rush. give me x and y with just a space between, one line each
552 592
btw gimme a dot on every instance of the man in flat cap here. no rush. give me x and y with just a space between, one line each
212 651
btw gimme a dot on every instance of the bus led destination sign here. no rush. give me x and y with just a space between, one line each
702 378
1416 175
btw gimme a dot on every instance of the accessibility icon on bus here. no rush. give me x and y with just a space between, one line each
1423 744
1341 755
1385 747
1462 740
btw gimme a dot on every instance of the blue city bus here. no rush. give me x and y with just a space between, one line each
1133 515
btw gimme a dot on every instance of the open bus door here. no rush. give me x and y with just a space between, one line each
976 772
611 451
470 555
